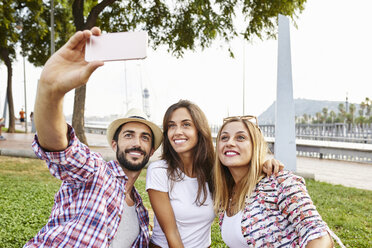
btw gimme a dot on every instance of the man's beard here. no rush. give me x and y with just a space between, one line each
125 163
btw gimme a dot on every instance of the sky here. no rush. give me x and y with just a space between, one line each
331 59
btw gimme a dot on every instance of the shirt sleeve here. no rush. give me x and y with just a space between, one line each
296 204
75 163
156 177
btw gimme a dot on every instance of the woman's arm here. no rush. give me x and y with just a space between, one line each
324 241
164 214
295 203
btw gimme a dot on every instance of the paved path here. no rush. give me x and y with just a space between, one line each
349 174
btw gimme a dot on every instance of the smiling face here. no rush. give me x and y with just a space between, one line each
235 145
134 147
182 133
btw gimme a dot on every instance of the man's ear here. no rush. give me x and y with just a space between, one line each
114 145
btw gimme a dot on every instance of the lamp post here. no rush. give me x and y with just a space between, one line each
52 49
20 28
243 77
24 87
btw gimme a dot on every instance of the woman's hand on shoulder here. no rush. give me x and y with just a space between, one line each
272 166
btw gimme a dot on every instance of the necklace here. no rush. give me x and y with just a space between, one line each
231 206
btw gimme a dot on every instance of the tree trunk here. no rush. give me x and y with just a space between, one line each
79 100
4 53
78 114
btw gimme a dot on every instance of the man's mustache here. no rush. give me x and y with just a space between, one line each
135 149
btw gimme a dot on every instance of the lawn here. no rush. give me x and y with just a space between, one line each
27 192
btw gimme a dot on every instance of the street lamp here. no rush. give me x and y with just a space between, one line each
52 27
20 27
24 86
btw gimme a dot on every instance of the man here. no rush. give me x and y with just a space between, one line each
97 204
22 116
2 124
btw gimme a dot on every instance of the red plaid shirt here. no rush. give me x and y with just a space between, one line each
88 207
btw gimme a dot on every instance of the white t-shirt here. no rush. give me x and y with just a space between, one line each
193 222
231 231
128 229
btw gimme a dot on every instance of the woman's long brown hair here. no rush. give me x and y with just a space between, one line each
203 151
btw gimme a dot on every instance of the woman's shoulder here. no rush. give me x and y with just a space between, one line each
158 164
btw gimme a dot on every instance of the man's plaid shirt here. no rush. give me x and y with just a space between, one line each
89 205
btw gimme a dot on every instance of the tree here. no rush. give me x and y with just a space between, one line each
360 119
368 103
325 114
333 116
341 112
11 13
305 118
363 106
352 110
319 117
8 40
180 25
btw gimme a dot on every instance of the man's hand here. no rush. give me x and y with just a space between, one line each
67 69
272 166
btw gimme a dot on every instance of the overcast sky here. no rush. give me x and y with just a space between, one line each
331 58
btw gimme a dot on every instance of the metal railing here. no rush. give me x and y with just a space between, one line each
328 132
325 141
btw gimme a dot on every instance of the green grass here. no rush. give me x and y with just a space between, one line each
27 194
347 211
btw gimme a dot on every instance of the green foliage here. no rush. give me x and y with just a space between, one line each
35 39
347 211
179 25
27 192
8 31
26 196
344 115
186 25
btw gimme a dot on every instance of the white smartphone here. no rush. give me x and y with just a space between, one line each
117 46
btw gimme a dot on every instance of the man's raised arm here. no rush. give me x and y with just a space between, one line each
65 70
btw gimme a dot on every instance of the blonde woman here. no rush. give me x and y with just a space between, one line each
259 211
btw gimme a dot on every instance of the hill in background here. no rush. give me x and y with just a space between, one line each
302 106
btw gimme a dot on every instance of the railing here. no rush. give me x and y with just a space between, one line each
325 141
328 132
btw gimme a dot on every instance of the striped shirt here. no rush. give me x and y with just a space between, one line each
89 204
280 213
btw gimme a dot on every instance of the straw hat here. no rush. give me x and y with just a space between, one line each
135 115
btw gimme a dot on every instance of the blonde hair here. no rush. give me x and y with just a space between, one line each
222 178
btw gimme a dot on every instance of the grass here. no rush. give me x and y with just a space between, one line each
27 193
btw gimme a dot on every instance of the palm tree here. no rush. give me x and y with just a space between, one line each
342 112
368 106
325 114
352 109
363 105
318 116
305 118
333 116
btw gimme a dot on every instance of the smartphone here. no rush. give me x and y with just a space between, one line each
117 46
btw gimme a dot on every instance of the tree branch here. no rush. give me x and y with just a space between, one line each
96 10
